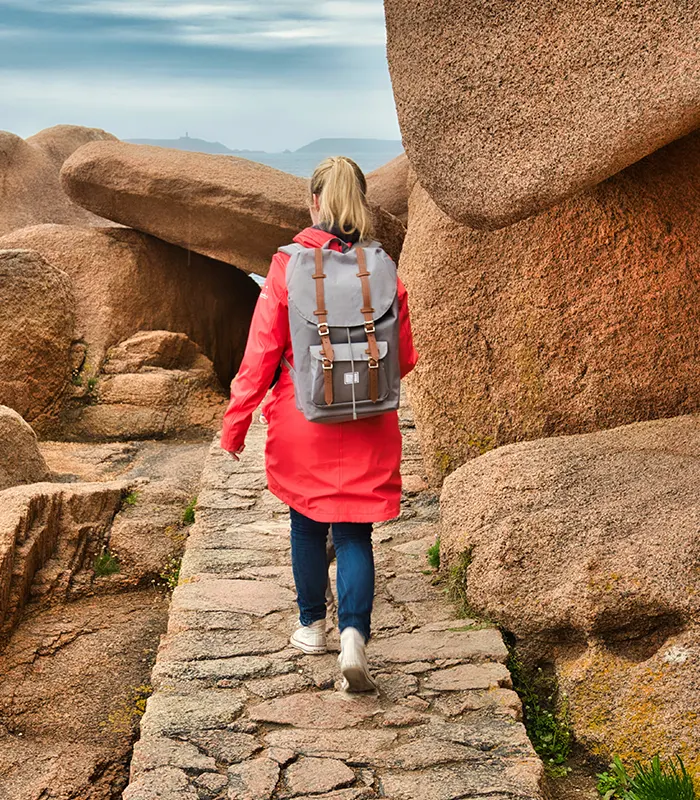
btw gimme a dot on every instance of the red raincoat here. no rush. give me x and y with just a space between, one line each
341 472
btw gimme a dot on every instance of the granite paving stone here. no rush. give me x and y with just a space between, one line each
238 714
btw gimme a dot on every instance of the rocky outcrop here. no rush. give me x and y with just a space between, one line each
36 333
125 282
153 385
20 458
226 208
49 536
30 190
506 109
388 187
61 141
582 318
587 549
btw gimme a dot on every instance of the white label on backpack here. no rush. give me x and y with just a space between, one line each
351 377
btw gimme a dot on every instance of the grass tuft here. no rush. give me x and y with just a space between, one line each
653 781
188 515
434 555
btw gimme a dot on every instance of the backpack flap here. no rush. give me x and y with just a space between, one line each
344 299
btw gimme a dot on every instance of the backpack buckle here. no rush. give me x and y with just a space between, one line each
369 327
327 365
323 329
373 363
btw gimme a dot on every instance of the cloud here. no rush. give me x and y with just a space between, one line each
220 24
249 74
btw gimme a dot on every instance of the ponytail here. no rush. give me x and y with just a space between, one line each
341 188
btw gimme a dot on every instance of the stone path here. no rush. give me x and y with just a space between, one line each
239 715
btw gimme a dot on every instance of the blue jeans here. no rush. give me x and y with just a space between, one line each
353 550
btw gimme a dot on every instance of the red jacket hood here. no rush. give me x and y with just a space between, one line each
313 237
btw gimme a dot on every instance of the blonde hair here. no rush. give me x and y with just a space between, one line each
341 188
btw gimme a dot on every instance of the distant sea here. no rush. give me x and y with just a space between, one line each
368 153
303 164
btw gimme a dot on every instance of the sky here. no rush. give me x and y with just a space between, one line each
269 75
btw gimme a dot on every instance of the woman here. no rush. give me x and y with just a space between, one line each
344 474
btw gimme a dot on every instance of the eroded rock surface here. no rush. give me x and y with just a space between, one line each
154 385
579 319
36 335
20 458
587 548
49 536
74 680
506 109
79 641
227 208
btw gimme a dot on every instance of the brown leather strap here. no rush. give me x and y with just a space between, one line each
367 311
323 330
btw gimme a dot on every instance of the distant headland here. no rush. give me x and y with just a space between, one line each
369 153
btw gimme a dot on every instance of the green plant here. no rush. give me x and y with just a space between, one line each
188 516
106 563
653 781
170 574
457 584
545 714
130 499
434 555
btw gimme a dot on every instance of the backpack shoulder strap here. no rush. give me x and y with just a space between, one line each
321 313
367 313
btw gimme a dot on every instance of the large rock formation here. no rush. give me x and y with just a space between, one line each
61 141
36 334
587 549
30 190
155 384
20 458
224 207
507 108
582 318
125 282
388 187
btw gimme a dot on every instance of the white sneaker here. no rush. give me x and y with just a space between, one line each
353 662
310 639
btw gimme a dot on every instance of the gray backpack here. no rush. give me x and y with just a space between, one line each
344 320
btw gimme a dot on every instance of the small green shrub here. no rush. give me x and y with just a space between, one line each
434 555
547 721
188 516
130 499
653 781
106 563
